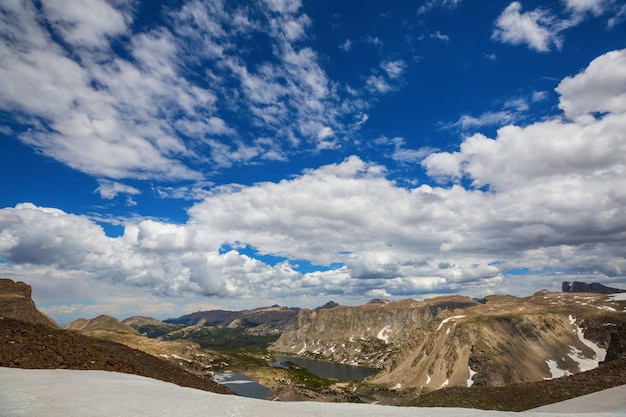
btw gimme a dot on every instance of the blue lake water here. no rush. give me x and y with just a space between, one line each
327 369
243 385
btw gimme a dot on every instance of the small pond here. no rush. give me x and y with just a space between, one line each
242 385
327 369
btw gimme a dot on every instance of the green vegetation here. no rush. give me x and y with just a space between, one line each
223 339
157 330
511 398
302 377
245 358
371 346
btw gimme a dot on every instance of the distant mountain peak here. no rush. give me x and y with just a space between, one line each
378 301
102 322
330 304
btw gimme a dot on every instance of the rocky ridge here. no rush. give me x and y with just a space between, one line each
594 287
102 322
362 335
457 341
268 320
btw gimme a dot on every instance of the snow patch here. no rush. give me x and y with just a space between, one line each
555 371
397 386
224 379
427 379
445 383
303 349
619 296
168 355
104 394
384 334
444 321
584 363
470 380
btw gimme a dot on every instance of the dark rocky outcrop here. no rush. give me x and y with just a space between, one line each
594 287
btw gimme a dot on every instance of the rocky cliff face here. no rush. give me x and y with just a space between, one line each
16 303
362 335
455 341
594 287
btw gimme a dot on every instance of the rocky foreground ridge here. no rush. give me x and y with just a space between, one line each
31 340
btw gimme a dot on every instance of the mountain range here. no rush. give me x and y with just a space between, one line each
422 349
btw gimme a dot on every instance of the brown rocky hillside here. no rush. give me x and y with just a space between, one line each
36 346
525 396
457 341
362 335
29 339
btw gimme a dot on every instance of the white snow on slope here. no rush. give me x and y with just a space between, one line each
619 296
58 392
444 321
612 400
384 334
470 380
555 371
584 363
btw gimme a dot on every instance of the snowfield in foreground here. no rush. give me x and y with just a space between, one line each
45 393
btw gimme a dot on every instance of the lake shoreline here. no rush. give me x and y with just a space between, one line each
326 369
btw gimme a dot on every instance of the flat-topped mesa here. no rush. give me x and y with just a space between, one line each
16 303
17 289
594 287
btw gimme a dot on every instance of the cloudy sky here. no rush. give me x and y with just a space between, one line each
163 157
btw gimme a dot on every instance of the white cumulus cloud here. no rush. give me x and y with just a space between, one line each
536 28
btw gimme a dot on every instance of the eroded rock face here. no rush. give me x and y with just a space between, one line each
456 341
16 303
362 335
594 287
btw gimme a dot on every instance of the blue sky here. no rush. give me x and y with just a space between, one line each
165 157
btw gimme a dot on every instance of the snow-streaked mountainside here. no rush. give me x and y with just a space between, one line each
46 393
458 341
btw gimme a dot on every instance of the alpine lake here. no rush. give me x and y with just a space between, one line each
248 387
